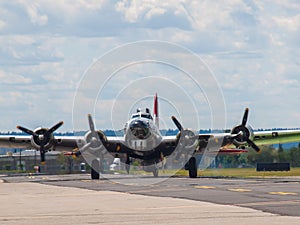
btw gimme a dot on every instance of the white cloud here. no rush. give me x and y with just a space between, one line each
290 23
2 24
35 16
251 46
9 78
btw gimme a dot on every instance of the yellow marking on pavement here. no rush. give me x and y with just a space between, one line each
205 187
282 193
239 190
158 190
30 176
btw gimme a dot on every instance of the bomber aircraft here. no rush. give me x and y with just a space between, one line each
142 140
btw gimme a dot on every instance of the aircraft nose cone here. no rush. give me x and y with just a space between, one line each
139 129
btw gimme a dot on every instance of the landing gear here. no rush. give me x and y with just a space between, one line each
95 170
151 167
127 164
192 167
155 171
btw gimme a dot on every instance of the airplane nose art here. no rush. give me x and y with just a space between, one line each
140 129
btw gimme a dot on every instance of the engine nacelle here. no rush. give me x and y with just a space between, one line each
187 138
246 132
41 139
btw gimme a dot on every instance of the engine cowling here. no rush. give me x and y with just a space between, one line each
42 138
187 138
95 144
244 133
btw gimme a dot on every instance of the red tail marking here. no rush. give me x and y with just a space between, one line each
155 111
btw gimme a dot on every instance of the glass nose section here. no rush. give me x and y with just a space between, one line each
140 129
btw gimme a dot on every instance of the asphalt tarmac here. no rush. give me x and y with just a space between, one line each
163 200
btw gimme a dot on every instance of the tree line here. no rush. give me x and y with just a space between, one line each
268 154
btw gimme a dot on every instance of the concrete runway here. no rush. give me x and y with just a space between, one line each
128 199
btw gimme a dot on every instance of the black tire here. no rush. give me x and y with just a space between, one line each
94 170
155 172
127 167
192 167
127 164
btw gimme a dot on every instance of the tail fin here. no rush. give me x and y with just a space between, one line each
155 111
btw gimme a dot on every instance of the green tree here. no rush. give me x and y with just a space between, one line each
293 156
282 157
267 155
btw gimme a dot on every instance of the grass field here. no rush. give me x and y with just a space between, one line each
239 173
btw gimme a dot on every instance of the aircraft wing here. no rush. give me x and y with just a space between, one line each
60 143
12 141
261 138
276 137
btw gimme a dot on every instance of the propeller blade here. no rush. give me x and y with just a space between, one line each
83 148
54 128
92 127
178 125
27 131
245 117
253 145
91 122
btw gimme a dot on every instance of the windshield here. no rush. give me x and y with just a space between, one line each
148 116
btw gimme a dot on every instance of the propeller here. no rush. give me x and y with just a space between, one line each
188 137
42 137
92 138
241 132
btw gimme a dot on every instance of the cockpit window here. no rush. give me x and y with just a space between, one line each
148 116
142 115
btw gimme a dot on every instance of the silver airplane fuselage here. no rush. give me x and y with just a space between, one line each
141 133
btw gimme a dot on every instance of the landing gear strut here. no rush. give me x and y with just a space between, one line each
127 164
192 164
95 169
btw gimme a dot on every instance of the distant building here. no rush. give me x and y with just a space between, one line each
26 160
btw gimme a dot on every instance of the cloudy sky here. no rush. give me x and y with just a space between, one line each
252 48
